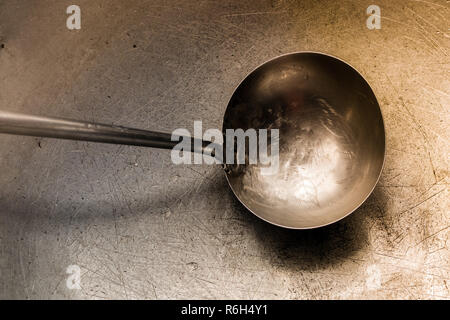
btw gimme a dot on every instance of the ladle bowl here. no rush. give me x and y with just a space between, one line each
331 139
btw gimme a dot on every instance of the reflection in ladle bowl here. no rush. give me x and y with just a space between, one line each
315 155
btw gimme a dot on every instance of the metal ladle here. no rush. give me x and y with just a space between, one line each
331 138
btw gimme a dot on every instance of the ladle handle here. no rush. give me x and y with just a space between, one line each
37 126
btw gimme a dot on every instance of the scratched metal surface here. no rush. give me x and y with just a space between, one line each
139 226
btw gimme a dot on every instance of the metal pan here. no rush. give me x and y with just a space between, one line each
331 138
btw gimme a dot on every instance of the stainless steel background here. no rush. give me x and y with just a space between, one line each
141 227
